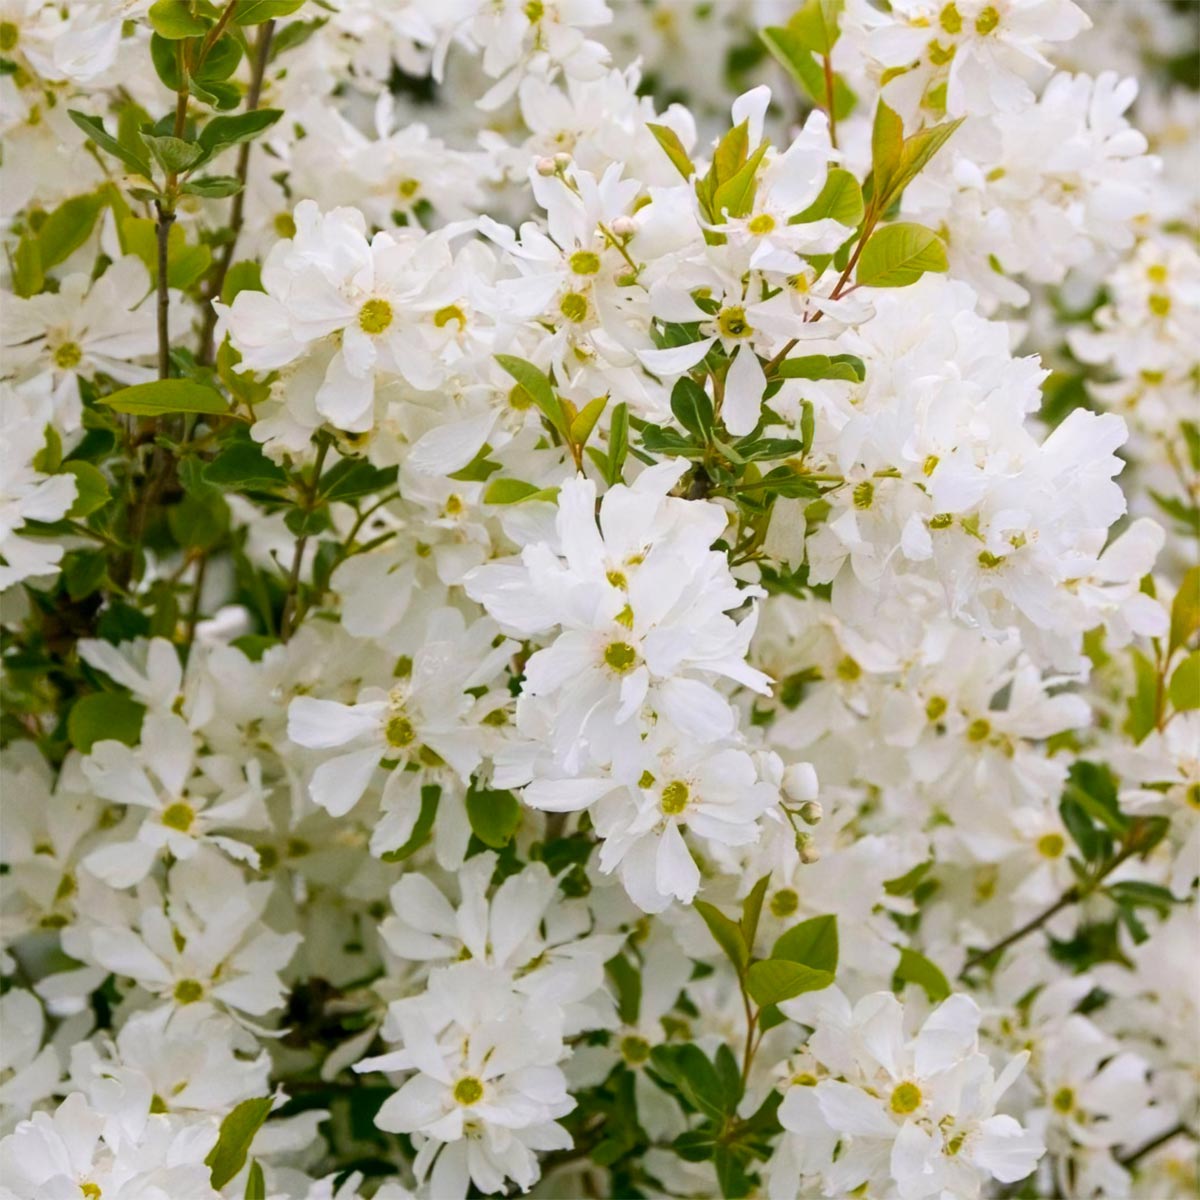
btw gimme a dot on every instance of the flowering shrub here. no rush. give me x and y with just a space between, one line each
599 599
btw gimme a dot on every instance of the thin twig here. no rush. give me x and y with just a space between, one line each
1131 1159
262 54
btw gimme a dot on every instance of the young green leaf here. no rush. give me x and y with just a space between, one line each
431 794
692 408
1184 691
813 942
539 388
104 716
900 254
91 488
508 491
773 980
668 139
815 24
66 228
917 969
174 20
839 200
138 163
167 396
1185 610
726 933
238 1128
495 816
585 420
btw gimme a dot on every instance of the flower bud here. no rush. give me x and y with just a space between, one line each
546 167
624 226
562 160
800 782
807 849
811 812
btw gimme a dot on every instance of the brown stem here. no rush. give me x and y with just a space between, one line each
193 616
166 218
829 90
1135 1156
287 621
1071 896
262 54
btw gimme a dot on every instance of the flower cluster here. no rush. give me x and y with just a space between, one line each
599 599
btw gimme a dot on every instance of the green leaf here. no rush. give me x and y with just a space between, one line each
692 408
585 420
351 478
66 228
213 187
1137 894
914 155
255 12
167 396
28 276
820 366
431 794
735 197
813 942
900 254
668 139
91 488
494 815
539 389
1143 704
917 969
139 164
618 443
726 933
731 152
233 1142
219 64
815 25
243 465
752 911
1185 684
256 1185
690 1072
1185 611
788 49
839 200
104 716
229 131
185 263
1094 788
628 983
509 491
174 20
173 154
773 980
244 276
83 572
887 145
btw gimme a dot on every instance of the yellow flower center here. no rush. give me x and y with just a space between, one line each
285 226
675 797
408 188
451 312
732 322
188 991
9 35
784 902
399 731
468 1091
179 816
761 224
978 730
935 708
906 1098
950 19
987 21
635 1049
620 657
375 316
1063 1100
584 262
1051 845
68 355
574 307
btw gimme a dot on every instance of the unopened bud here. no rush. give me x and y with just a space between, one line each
624 226
562 160
811 812
546 167
807 849
800 782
